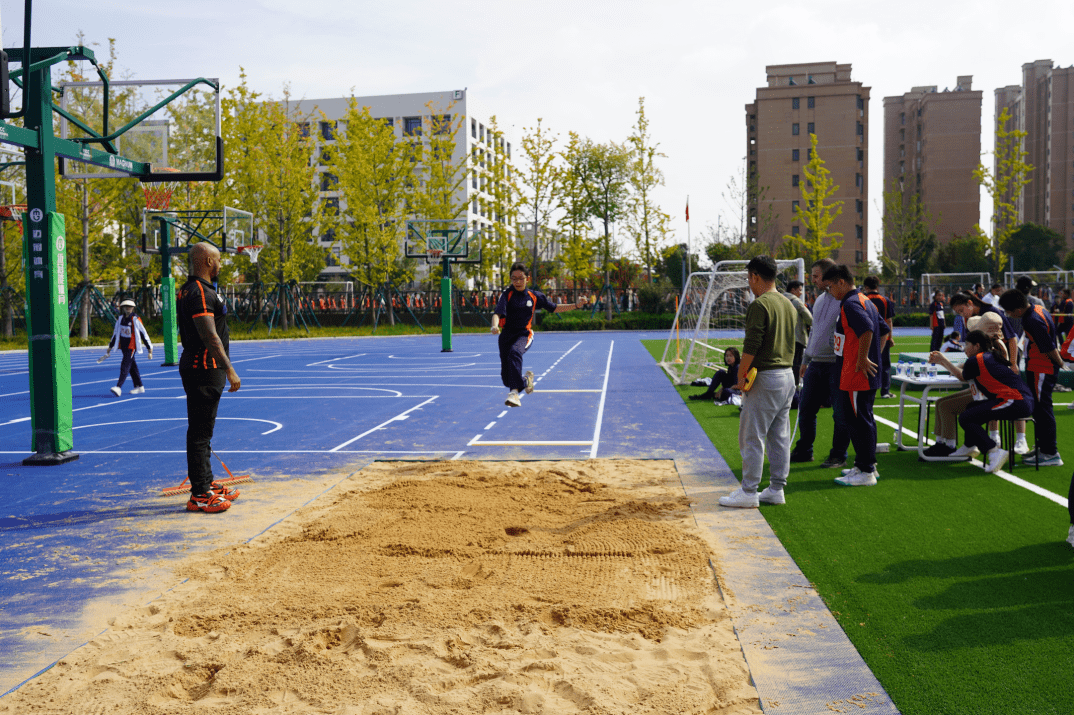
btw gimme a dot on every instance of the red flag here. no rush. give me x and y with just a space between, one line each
687 209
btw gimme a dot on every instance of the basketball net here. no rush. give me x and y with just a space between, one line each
159 194
432 255
12 212
252 252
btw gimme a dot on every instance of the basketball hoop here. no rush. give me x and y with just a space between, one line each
159 194
145 259
12 212
432 255
252 252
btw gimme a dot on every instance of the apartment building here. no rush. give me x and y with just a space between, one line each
801 99
476 149
1046 114
932 144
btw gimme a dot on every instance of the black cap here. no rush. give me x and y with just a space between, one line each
1024 282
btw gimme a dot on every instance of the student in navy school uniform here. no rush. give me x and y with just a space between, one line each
129 336
513 322
937 320
1043 363
998 394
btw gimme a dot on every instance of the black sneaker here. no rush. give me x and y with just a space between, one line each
833 463
698 397
939 450
801 457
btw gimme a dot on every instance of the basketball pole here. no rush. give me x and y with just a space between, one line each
445 304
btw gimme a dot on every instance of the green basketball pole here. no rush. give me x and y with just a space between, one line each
167 297
445 305
45 252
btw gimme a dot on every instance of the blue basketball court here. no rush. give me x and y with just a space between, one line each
82 541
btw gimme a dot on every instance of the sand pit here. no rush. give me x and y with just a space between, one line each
449 587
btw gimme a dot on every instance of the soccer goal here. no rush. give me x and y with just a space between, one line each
1052 279
951 283
713 305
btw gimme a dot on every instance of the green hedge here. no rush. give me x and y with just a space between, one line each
581 320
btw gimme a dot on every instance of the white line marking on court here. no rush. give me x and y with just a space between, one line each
490 425
600 410
322 362
553 365
262 451
398 417
183 419
531 443
457 455
544 391
1007 476
21 419
263 357
474 440
502 414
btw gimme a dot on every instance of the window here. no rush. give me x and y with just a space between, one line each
861 129
902 135
794 230
861 154
859 256
508 150
858 181
794 155
441 123
389 122
794 207
902 118
328 181
328 130
811 80
794 179
859 231
811 102
811 128
861 102
473 128
331 205
859 205
474 179
794 129
304 129
794 102
481 132
474 207
412 126
791 82
326 157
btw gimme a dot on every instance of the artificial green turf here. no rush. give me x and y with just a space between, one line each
955 586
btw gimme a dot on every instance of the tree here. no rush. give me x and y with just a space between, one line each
498 247
575 220
646 223
539 175
815 216
603 169
442 175
1004 186
272 174
1034 248
376 175
754 218
908 236
965 254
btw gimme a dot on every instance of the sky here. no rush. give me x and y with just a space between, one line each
580 66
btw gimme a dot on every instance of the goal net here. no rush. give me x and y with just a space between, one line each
950 283
713 307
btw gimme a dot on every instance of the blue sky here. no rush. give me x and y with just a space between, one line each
579 66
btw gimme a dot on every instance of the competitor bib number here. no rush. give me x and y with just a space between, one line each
838 343
974 392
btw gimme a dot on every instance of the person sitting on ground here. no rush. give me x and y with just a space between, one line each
950 406
723 382
953 344
998 394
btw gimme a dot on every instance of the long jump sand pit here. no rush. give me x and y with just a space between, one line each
444 587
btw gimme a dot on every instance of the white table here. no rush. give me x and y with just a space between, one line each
941 382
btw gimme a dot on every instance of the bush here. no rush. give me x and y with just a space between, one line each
581 320
911 320
658 297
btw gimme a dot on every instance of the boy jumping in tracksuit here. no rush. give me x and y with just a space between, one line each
129 336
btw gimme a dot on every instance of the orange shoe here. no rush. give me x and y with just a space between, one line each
210 503
221 490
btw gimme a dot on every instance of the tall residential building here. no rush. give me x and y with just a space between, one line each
1046 114
802 99
476 150
1009 98
932 144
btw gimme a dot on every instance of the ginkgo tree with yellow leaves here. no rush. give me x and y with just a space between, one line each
817 212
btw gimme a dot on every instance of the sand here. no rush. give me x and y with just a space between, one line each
445 587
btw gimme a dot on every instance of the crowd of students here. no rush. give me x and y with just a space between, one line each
846 361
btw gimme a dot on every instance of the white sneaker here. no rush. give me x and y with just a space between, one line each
138 390
966 451
857 478
770 496
740 499
1020 445
115 391
1070 535
512 399
1043 460
529 381
996 458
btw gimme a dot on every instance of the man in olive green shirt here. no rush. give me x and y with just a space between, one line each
766 406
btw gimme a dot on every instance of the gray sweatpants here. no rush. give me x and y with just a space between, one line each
765 423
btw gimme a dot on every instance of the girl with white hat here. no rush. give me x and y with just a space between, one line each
129 336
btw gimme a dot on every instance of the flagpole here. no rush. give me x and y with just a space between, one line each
689 243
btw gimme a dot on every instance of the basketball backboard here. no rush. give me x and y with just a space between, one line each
180 140
226 229
440 238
